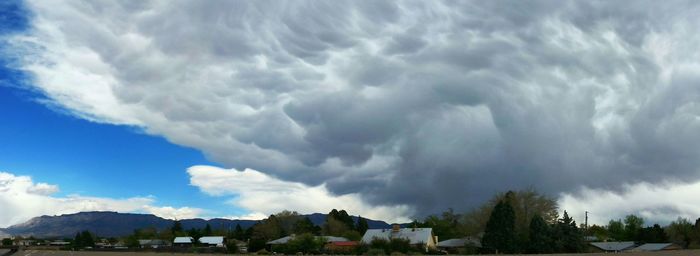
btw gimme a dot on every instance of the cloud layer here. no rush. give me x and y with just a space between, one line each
426 104
264 195
656 203
22 199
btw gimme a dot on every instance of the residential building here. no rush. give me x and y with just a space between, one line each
212 241
419 237
183 241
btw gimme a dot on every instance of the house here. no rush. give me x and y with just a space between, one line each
25 242
59 243
152 243
611 246
212 241
419 237
183 241
329 239
652 247
274 244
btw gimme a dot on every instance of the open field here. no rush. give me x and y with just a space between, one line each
83 253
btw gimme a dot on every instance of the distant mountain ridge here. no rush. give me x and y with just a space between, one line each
114 224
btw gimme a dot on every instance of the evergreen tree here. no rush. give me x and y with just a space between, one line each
78 241
238 232
362 225
653 234
540 237
499 235
207 230
176 228
87 239
569 238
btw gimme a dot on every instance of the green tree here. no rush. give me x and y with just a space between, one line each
334 226
176 229
448 225
207 230
633 224
6 241
569 238
263 231
540 236
286 221
653 234
78 241
400 245
132 242
238 233
601 233
87 239
232 247
525 203
362 225
499 235
305 243
695 236
680 232
616 230
304 225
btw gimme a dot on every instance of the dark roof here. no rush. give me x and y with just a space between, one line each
613 246
653 247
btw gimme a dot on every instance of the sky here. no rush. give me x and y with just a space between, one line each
389 109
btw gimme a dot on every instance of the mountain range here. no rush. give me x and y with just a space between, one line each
114 224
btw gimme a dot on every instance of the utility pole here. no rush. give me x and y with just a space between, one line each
586 225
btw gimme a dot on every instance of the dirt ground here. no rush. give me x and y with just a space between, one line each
83 253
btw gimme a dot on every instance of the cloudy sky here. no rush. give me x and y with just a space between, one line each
389 109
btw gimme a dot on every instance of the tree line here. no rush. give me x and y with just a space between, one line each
512 222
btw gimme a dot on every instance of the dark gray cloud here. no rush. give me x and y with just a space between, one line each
429 104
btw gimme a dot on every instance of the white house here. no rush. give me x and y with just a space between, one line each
416 236
212 241
183 241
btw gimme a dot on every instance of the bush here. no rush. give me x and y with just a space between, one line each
232 248
400 245
375 251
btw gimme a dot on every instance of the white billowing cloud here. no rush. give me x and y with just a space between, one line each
656 203
22 199
173 213
264 195
430 104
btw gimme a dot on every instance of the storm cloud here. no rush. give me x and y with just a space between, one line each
427 104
